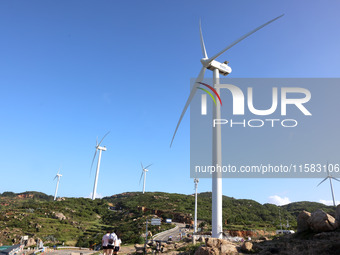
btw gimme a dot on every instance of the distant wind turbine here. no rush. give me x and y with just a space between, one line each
144 170
56 189
100 148
330 177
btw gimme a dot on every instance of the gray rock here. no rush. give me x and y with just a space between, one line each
207 251
247 247
302 221
59 216
223 247
30 242
139 247
322 222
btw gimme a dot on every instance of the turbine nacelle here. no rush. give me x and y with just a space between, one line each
223 68
213 64
101 148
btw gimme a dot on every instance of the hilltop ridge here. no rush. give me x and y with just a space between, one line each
82 221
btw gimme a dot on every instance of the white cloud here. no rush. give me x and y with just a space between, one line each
276 200
328 202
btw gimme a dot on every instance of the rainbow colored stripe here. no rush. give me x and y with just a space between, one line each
208 92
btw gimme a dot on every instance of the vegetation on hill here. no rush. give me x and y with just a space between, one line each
82 221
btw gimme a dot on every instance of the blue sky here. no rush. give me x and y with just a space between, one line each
71 71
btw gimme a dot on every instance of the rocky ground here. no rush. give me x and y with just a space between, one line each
307 243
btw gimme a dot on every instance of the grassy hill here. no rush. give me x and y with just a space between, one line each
82 222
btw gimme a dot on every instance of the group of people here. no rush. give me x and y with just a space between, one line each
111 243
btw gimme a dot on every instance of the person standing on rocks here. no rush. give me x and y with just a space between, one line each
105 242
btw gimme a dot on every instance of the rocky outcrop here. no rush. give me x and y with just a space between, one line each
30 242
337 213
322 222
207 251
325 243
215 246
139 248
249 233
59 216
247 247
25 195
318 221
302 221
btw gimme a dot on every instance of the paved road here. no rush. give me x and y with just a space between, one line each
174 233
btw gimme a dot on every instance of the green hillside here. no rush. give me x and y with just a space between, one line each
82 222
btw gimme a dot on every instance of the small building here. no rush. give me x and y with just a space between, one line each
11 250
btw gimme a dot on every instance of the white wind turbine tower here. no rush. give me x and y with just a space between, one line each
330 177
100 148
144 170
217 68
56 188
195 222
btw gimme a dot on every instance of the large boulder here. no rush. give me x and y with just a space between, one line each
139 247
30 242
207 251
247 247
59 216
228 249
212 242
322 222
337 213
223 247
302 221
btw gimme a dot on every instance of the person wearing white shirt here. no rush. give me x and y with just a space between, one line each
117 245
105 242
111 243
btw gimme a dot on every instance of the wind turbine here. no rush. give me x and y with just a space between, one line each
330 177
56 189
100 148
217 68
195 222
144 170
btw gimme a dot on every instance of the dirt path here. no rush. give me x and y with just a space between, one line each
127 249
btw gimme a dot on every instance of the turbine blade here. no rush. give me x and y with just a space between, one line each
142 165
95 154
141 177
148 166
55 177
241 38
323 181
103 137
202 43
335 179
191 96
